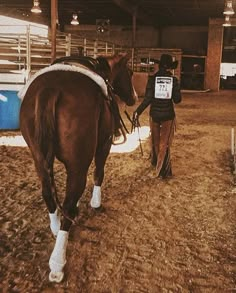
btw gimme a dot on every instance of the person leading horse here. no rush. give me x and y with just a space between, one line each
162 92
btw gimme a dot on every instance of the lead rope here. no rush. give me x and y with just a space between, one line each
111 98
135 124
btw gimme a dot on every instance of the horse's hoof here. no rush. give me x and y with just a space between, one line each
95 202
56 277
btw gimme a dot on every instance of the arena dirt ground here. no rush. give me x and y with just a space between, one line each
151 235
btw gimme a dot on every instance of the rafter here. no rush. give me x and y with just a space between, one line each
134 9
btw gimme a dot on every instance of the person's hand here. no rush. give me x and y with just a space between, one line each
135 115
135 121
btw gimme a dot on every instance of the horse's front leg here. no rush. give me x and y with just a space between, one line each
75 186
58 257
101 155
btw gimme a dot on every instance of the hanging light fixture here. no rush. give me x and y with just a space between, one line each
103 25
74 20
228 8
36 8
227 21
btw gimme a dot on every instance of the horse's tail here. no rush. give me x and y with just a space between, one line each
45 133
45 125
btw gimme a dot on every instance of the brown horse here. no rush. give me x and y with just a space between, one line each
68 115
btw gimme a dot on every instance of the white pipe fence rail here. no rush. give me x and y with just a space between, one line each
23 52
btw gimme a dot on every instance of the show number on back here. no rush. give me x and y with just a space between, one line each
163 87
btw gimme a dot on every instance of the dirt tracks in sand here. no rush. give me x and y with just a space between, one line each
150 235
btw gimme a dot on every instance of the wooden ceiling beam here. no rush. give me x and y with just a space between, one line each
134 10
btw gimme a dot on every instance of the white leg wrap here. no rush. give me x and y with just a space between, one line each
55 222
96 197
58 257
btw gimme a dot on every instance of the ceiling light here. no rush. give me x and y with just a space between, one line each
36 8
100 29
228 8
227 21
74 20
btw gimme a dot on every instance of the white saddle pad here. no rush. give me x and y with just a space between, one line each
66 67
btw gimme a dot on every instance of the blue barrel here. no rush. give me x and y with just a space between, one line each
9 109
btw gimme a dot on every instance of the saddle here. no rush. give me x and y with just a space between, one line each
101 67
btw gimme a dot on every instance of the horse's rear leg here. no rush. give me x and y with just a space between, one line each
76 182
100 160
46 177
55 221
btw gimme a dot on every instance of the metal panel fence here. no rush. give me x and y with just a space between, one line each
26 50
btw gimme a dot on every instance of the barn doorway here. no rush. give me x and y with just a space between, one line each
228 61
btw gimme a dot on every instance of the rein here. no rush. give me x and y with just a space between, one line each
115 111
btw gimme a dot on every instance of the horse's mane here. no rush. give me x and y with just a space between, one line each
103 67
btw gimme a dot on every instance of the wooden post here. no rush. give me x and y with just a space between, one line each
28 53
214 53
134 15
232 142
53 28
